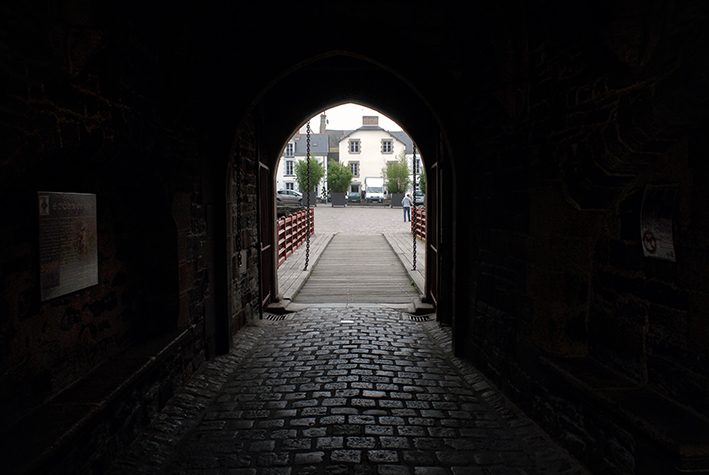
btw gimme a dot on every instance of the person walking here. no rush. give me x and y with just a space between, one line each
406 203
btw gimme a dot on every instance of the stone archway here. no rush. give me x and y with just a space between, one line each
342 77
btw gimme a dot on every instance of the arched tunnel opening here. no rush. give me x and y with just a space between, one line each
271 125
372 170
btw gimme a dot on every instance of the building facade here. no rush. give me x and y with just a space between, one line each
296 150
367 150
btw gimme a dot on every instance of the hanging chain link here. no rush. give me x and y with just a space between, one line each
308 190
413 209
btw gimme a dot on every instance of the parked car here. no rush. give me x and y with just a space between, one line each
289 198
354 197
419 198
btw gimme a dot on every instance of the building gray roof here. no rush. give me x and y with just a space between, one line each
318 145
336 135
404 137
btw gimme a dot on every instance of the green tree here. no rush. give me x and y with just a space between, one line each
422 183
396 174
317 171
339 177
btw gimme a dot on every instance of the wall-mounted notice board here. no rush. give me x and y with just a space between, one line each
68 248
656 221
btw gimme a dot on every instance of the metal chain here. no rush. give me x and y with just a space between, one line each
413 209
308 189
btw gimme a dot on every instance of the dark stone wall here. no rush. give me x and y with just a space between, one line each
599 111
645 312
244 286
92 105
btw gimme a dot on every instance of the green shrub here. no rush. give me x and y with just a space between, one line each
396 174
317 171
339 177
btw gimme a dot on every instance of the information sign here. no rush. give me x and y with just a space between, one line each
68 249
656 222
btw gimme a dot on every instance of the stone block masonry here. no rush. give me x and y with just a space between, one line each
97 133
313 394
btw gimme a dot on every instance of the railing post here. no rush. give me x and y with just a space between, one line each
300 232
293 231
280 225
289 234
418 225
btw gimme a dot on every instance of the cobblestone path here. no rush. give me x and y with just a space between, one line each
340 390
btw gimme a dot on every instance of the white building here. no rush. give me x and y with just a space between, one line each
367 150
294 151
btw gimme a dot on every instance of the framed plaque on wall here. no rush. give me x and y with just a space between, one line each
68 247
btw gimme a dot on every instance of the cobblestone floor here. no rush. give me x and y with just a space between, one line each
342 390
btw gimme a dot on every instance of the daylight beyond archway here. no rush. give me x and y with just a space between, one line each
362 250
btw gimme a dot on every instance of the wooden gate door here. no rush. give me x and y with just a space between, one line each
445 266
432 248
266 233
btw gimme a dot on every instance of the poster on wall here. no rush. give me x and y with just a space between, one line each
68 247
656 222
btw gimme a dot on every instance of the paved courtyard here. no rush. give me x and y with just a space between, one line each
360 219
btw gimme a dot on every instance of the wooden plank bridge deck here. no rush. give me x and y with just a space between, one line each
355 269
361 269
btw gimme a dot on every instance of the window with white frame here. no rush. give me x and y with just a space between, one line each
288 170
354 168
354 146
290 186
290 149
387 146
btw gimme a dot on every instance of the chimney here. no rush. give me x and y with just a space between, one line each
370 120
323 123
